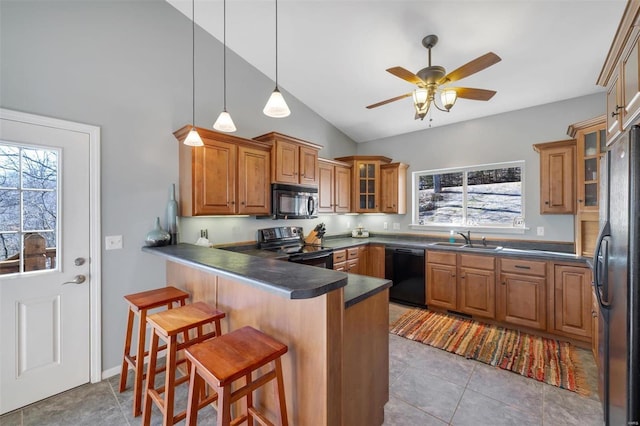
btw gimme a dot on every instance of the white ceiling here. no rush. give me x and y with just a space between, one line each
332 55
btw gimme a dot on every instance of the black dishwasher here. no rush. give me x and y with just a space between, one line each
405 267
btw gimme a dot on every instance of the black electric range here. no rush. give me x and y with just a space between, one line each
289 240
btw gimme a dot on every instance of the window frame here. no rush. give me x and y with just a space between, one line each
498 228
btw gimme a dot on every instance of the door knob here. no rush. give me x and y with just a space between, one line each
79 279
79 261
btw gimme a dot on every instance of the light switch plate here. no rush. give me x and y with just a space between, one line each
540 231
396 226
113 242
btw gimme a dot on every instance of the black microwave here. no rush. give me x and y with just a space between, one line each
293 201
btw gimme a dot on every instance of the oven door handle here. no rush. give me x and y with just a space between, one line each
295 257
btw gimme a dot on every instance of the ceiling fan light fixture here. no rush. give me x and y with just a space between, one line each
224 123
276 106
420 98
448 98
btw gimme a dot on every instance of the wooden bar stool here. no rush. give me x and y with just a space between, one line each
139 305
222 361
166 326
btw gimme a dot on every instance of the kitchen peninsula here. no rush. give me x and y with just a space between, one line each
335 325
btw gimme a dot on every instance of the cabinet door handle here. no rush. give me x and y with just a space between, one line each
546 202
504 283
463 276
617 112
453 275
594 314
523 267
579 201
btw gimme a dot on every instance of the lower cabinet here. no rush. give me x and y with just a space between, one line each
572 301
522 293
351 260
375 260
461 282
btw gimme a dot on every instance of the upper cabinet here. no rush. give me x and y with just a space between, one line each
557 182
334 186
228 175
293 160
365 192
621 74
394 188
590 138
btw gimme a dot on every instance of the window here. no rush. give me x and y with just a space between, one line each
476 196
28 208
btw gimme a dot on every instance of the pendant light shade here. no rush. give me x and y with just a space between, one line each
193 138
276 106
224 123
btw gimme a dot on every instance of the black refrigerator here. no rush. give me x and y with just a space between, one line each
616 280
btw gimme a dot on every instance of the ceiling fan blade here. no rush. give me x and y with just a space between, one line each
473 94
478 64
388 101
406 75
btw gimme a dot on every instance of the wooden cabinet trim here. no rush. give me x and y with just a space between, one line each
523 266
442 257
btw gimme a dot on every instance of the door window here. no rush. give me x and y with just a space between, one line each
28 208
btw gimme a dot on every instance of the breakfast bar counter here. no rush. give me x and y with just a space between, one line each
334 324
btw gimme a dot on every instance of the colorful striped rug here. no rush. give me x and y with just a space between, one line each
546 360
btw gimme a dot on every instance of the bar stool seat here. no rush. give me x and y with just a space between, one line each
139 305
221 361
167 326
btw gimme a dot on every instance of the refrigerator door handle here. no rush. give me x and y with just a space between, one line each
601 267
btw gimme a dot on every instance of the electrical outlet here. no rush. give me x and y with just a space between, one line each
396 226
385 225
540 231
113 242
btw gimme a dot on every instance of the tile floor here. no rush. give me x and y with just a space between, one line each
427 387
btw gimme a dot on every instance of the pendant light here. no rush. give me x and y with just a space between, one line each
193 138
224 123
276 106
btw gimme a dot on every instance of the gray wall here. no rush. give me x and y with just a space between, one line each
126 66
499 138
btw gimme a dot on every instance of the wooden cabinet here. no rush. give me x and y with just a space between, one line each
228 175
441 282
334 186
461 282
477 283
393 188
522 293
365 189
352 260
572 301
294 160
375 261
590 146
621 74
557 182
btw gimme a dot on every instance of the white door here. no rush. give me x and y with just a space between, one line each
44 262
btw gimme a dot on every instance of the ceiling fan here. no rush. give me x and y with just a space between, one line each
431 79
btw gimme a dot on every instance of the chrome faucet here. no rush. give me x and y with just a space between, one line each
467 237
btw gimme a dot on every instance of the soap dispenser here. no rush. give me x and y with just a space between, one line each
452 236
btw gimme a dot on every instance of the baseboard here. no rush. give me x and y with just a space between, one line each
111 372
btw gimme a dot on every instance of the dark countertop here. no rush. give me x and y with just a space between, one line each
425 243
267 271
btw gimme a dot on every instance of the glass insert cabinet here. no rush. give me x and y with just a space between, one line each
590 136
366 197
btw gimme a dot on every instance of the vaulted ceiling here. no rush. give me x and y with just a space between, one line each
332 55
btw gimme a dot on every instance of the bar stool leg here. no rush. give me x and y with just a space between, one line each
170 379
139 370
249 401
127 349
224 405
151 377
196 385
280 393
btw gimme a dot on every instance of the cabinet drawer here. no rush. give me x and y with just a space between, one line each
352 253
339 256
341 266
478 262
441 257
528 267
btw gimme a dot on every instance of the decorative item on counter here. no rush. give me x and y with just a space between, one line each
315 236
172 215
157 237
360 232
204 238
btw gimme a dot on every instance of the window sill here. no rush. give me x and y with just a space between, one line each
457 228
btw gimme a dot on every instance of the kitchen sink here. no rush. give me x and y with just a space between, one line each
481 247
447 244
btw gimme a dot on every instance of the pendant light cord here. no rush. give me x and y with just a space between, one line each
193 63
276 44
224 53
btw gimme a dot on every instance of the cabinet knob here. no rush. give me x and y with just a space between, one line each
504 283
463 276
617 111
546 202
594 314
579 201
453 275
